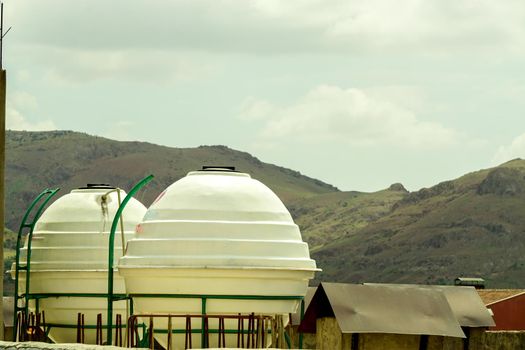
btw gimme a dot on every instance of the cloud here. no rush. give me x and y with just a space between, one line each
122 130
16 121
269 26
254 109
516 149
84 66
19 102
349 116
172 41
433 24
23 100
23 75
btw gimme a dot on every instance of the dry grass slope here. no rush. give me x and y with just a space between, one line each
66 159
474 225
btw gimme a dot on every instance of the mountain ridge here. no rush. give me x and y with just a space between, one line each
72 159
472 225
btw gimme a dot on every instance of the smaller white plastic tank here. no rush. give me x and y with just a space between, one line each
216 232
70 255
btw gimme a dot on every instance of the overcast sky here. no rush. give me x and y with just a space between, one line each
360 94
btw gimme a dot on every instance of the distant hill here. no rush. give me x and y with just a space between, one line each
471 226
67 159
331 216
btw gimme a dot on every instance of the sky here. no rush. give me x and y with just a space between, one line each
360 94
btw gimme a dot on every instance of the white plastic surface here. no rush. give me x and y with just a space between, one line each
70 255
217 233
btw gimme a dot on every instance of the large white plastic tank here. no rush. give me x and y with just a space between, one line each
216 232
70 255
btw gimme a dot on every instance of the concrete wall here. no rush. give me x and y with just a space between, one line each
309 339
329 337
8 333
498 340
444 343
388 342
4 345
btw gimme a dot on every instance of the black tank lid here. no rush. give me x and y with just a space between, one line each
218 168
97 187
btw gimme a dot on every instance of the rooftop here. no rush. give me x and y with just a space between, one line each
490 296
383 309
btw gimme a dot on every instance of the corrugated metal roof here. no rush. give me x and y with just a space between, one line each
467 306
383 309
491 296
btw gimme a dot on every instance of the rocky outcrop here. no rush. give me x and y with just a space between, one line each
502 182
425 193
398 187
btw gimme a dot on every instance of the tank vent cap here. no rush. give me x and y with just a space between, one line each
97 186
218 168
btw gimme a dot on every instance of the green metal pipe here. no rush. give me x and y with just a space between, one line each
50 193
288 340
301 320
111 297
203 321
29 243
111 253
76 295
211 296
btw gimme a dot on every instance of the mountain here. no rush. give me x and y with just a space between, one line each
67 159
470 226
331 216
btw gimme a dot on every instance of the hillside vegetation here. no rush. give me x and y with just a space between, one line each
331 216
470 226
66 159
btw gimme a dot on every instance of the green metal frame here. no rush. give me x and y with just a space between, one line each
302 316
205 297
111 255
110 295
43 198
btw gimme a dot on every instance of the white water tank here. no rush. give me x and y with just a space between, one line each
216 232
70 255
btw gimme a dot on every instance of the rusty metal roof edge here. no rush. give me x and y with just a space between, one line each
506 298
